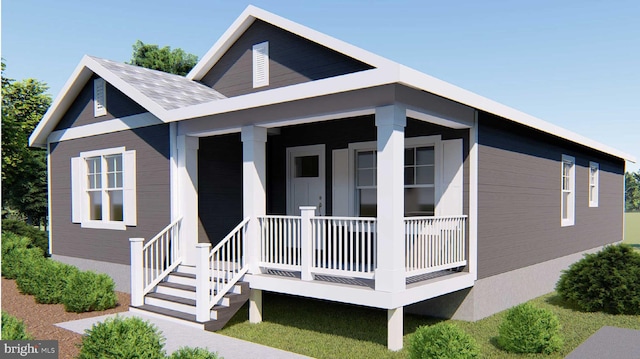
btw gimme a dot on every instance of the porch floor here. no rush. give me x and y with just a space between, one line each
359 282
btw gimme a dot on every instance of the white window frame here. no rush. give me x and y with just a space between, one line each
80 191
594 183
260 53
99 97
412 142
570 192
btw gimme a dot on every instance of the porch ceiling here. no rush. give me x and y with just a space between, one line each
420 105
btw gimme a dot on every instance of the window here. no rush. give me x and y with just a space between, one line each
568 191
99 98
261 64
594 178
103 189
419 180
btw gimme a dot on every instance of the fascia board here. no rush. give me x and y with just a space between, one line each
338 84
251 13
67 95
83 72
413 78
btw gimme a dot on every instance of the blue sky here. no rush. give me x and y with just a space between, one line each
572 63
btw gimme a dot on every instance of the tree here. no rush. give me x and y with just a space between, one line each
632 191
174 61
24 169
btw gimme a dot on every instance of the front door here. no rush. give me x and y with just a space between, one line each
305 179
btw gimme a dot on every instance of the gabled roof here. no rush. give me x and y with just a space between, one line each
158 92
161 102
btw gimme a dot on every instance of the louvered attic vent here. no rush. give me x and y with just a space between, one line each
261 64
99 98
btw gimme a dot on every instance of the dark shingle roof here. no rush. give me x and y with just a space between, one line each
167 90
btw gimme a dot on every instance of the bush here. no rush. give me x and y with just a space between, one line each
442 340
124 338
34 270
54 279
39 239
13 328
88 291
193 353
607 281
528 329
15 251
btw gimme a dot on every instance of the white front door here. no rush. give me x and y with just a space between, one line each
305 179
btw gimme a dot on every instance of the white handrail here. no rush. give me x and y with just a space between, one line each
434 243
161 255
227 262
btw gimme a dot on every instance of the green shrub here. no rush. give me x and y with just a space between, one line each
53 282
88 291
15 251
13 328
528 329
607 281
193 353
39 239
122 338
34 270
442 340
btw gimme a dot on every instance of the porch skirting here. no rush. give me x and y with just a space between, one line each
499 292
120 273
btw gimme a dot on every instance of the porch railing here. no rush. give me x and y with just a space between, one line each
153 261
344 246
280 242
434 243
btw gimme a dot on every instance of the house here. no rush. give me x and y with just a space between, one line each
289 161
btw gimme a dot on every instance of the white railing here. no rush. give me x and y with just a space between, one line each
280 242
344 246
153 261
434 243
227 262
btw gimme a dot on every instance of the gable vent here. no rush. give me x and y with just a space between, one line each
261 64
99 98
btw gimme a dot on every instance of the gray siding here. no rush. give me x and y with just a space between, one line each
519 198
153 194
292 60
219 186
81 111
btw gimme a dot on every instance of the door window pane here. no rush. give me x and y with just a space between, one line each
307 166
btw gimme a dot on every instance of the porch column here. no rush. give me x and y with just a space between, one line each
395 328
187 148
390 274
254 201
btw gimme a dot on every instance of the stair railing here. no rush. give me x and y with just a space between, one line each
226 264
153 261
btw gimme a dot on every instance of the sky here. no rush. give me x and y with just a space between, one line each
575 64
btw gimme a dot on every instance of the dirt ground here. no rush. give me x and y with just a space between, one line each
40 318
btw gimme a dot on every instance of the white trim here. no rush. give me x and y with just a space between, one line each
571 202
472 260
301 151
451 123
173 171
49 209
118 226
108 126
103 152
593 201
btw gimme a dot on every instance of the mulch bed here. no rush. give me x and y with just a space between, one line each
40 318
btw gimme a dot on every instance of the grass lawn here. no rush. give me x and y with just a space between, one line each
632 229
328 330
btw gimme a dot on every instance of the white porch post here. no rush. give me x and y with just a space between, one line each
395 322
254 203
187 147
305 239
390 274
137 282
203 282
